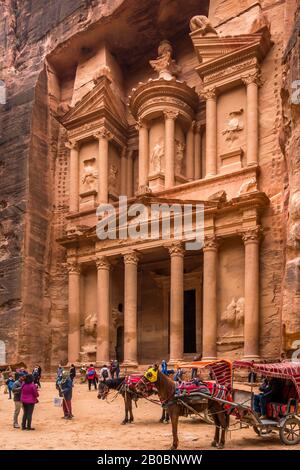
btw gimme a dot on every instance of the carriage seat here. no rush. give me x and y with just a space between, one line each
289 403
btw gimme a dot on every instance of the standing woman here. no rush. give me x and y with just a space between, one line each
29 395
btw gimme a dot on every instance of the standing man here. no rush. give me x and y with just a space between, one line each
72 372
66 386
92 376
16 389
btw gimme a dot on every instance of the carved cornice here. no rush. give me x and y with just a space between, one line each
131 258
211 243
171 114
102 262
176 249
252 235
73 267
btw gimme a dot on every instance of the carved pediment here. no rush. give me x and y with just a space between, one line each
101 101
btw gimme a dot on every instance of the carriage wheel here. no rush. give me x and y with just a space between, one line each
290 432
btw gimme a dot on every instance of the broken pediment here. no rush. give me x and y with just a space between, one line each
100 102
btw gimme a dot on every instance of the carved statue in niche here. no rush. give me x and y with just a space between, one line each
179 155
113 176
157 158
90 174
90 325
234 126
248 186
202 24
164 64
232 319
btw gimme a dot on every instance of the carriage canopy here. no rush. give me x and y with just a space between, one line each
221 369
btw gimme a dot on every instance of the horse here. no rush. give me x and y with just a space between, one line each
129 394
166 392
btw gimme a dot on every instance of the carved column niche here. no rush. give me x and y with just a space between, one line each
226 65
164 109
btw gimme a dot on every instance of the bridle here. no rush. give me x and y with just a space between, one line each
144 380
104 392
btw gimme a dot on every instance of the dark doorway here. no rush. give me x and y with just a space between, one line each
120 344
189 343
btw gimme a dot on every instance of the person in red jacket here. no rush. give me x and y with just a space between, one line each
29 397
92 376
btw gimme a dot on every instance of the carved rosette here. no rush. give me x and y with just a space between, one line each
131 258
208 94
102 262
211 243
73 267
170 114
253 235
176 249
103 133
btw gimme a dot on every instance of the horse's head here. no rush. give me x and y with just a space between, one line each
149 377
103 390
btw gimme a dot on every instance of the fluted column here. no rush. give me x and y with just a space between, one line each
124 172
74 176
190 152
103 137
143 154
129 173
130 310
170 117
176 302
211 132
252 82
251 240
197 151
210 258
103 302
74 311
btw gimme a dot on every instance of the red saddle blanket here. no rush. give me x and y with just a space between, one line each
209 388
133 379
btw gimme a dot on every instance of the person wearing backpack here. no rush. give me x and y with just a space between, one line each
104 373
92 376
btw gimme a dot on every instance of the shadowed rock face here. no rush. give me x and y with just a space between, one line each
36 36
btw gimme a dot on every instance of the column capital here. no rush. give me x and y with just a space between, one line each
72 145
103 133
252 235
208 94
211 243
102 262
141 124
176 249
197 127
253 77
73 267
171 114
124 151
132 257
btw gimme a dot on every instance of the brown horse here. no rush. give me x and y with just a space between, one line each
166 392
129 395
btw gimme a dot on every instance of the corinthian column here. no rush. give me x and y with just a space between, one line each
211 132
103 137
103 297
130 310
252 82
176 302
190 152
197 151
74 176
251 240
124 172
170 117
129 174
74 311
143 154
210 258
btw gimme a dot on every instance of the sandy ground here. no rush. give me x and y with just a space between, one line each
97 426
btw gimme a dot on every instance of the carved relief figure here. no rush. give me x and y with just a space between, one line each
164 64
179 155
233 316
90 174
234 125
157 158
90 324
113 178
202 24
248 186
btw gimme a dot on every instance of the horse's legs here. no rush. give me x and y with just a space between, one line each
162 416
125 421
174 415
215 442
130 410
224 422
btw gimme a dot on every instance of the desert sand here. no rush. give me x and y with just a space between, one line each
97 426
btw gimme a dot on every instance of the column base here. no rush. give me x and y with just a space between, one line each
174 362
129 364
210 175
252 357
209 358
